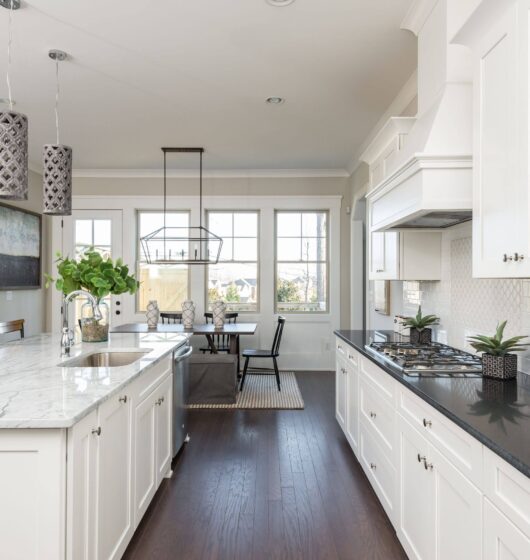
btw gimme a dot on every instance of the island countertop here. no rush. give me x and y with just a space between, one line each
497 413
36 391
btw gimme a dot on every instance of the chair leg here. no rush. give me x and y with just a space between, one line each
244 374
277 373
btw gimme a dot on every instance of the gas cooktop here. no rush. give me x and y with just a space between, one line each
428 360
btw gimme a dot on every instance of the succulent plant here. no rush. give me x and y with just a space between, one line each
421 322
495 345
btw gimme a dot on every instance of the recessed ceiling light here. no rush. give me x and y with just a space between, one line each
279 3
275 100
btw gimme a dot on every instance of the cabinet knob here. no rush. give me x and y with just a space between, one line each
420 458
343 370
427 423
372 414
506 258
373 466
428 466
160 401
123 399
97 431
517 257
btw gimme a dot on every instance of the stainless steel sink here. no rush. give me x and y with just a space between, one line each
105 359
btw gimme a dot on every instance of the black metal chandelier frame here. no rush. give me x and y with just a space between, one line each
203 246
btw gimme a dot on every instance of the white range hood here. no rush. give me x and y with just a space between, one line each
428 181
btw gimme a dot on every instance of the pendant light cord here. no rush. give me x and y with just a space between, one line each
56 98
9 41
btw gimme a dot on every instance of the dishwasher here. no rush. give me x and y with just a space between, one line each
180 396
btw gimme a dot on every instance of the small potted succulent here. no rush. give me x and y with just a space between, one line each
419 331
98 275
498 360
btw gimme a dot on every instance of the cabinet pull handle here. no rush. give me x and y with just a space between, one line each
506 258
160 401
428 466
339 347
372 414
123 399
97 431
373 466
427 423
421 458
517 257
342 370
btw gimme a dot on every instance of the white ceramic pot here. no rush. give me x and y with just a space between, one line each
218 311
152 314
188 314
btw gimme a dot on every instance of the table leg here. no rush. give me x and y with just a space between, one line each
211 344
234 348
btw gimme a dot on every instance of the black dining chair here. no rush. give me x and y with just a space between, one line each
221 341
171 318
273 353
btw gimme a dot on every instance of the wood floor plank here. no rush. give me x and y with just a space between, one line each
267 484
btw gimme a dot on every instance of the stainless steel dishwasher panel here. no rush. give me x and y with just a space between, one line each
180 396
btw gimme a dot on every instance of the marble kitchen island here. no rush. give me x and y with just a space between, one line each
82 449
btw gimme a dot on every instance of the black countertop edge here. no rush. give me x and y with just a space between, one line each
520 465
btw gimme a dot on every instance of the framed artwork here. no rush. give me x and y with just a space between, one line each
20 249
382 296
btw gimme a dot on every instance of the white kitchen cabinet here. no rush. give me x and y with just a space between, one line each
405 255
341 392
164 440
352 401
114 526
498 33
502 539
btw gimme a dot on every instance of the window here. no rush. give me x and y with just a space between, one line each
168 284
302 261
235 278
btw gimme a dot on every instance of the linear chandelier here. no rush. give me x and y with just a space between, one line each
182 245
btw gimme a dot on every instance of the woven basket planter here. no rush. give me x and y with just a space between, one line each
420 337
499 367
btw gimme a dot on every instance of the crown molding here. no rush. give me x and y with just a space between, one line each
209 174
417 15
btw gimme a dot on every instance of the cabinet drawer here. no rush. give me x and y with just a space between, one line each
382 380
508 489
151 378
461 449
378 413
352 356
340 347
502 539
379 470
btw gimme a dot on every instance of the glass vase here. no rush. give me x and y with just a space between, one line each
91 329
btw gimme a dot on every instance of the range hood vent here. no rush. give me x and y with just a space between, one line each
437 220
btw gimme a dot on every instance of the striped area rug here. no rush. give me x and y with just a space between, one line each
260 391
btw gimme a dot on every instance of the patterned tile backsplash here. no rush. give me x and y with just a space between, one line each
468 305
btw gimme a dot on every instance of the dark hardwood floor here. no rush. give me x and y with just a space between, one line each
267 485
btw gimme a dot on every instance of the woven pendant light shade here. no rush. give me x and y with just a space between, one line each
13 156
57 179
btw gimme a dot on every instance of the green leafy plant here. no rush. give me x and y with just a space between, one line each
421 322
495 345
98 275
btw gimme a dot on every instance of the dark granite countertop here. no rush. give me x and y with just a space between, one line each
497 413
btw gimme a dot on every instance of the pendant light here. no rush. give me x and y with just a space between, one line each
13 133
57 161
182 245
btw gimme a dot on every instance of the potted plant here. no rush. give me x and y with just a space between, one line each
498 360
419 333
100 276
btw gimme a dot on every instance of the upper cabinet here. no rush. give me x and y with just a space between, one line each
498 34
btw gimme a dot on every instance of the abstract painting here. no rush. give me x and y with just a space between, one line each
20 249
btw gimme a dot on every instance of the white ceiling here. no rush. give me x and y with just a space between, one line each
144 74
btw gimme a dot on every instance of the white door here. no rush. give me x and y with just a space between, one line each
458 511
502 539
416 494
340 393
114 504
145 480
164 427
101 229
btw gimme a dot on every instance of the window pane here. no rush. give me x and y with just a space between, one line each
151 221
245 249
288 224
314 224
102 235
301 287
246 224
226 251
83 232
167 284
220 223
313 249
289 249
234 283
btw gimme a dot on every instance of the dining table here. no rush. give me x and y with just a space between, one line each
232 330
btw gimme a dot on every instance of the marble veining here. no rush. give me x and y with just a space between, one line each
37 392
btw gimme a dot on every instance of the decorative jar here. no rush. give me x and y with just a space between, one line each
423 336
218 312
188 314
152 314
499 367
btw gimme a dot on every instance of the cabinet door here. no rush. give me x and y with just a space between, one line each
383 251
114 506
144 486
416 529
502 539
340 393
164 429
500 197
352 406
458 511
81 489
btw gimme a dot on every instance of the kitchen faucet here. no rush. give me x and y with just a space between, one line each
67 336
